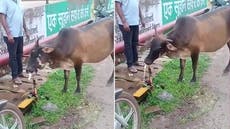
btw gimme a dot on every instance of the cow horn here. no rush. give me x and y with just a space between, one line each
155 28
169 40
37 42
38 38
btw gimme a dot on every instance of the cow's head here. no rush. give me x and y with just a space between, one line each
39 56
159 46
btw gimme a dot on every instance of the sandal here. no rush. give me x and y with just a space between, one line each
17 81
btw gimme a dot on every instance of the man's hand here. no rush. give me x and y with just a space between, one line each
126 27
6 28
122 17
10 38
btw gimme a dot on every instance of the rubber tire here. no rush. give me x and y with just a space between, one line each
133 103
14 109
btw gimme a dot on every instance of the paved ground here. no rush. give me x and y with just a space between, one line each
218 117
102 95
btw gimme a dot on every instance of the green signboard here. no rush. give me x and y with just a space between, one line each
171 9
62 14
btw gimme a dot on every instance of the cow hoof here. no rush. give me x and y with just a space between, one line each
64 91
179 80
77 91
226 71
193 81
109 84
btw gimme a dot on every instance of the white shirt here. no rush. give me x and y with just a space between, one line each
130 9
14 17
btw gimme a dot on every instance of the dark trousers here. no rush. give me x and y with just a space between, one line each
130 40
15 55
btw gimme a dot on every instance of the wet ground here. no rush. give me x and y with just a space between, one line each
132 82
17 93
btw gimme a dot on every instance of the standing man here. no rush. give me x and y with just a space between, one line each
11 18
130 15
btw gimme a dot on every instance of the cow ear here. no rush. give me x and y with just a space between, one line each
155 29
47 50
37 43
171 47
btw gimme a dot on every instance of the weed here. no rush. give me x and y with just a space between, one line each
51 92
166 80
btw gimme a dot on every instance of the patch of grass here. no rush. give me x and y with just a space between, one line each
51 92
166 80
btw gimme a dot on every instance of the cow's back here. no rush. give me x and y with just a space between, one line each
183 31
213 29
95 41
207 32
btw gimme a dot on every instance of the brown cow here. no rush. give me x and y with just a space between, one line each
73 47
192 35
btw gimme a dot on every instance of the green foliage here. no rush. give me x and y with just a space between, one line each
51 92
166 80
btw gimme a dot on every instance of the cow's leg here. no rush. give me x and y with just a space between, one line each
66 77
227 69
194 57
78 68
182 66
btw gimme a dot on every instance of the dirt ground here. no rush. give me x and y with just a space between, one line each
132 82
17 93
210 108
97 111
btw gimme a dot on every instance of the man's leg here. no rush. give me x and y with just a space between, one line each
128 45
12 49
19 54
135 39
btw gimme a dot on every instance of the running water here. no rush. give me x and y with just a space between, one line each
30 76
144 72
